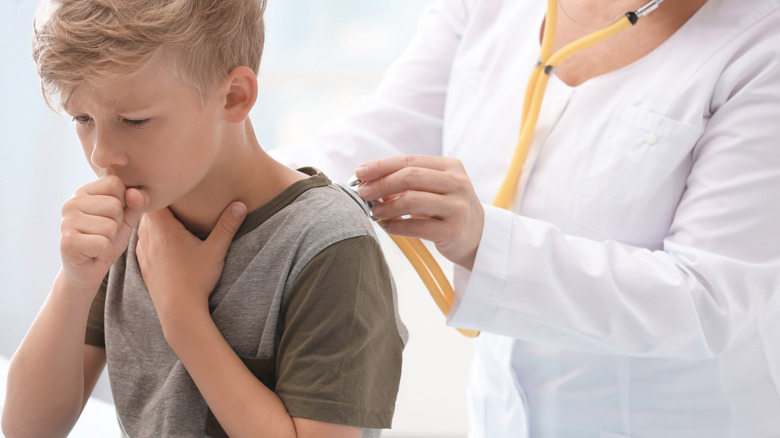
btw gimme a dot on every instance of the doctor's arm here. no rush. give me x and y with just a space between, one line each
713 275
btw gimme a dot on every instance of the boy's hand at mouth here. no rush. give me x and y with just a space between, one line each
96 226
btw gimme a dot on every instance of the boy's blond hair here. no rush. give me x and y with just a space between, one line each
97 41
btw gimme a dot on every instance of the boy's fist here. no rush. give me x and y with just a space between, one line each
96 226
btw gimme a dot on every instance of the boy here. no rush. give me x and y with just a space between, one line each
212 321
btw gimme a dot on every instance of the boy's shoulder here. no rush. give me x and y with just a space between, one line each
314 208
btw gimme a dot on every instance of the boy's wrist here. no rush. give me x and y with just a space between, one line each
183 325
64 283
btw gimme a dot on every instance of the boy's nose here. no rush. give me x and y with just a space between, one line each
105 151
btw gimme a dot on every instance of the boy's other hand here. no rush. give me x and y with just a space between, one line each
96 226
179 269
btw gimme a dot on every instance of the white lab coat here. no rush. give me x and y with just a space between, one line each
634 288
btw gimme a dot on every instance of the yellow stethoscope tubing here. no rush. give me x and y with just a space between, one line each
533 103
421 259
431 274
548 39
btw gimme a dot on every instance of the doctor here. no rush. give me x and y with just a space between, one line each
631 290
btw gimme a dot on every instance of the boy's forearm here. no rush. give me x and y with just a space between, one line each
241 403
45 392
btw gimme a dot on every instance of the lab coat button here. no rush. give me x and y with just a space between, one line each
651 139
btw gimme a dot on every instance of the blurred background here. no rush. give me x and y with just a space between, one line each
321 56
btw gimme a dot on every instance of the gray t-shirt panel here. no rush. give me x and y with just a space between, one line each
290 281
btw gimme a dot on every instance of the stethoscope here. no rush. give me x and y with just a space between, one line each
421 259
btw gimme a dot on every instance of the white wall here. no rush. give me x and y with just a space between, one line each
321 56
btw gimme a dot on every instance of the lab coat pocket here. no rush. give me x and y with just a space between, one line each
636 177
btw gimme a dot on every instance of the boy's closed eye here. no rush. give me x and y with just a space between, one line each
136 122
84 120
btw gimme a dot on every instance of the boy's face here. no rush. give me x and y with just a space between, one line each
152 131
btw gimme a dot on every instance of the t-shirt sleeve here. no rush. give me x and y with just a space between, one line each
95 334
339 359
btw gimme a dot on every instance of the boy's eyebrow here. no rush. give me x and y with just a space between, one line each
119 110
133 110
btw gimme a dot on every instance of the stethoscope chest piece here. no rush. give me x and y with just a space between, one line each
351 189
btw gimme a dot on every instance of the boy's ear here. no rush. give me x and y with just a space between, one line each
241 94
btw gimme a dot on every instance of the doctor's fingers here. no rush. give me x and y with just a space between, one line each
420 204
446 179
371 170
432 229
456 221
454 242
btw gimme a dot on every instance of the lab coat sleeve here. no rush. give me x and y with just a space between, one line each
404 115
716 273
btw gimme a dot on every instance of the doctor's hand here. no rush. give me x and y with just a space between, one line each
95 230
430 198
179 269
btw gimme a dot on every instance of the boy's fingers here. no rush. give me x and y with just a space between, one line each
135 204
106 185
162 223
87 247
229 222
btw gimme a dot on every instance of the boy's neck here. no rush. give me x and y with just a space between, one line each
248 174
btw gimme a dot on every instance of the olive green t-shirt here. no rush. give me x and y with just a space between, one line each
305 299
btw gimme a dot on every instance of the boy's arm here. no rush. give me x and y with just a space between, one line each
241 403
339 357
180 272
53 372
